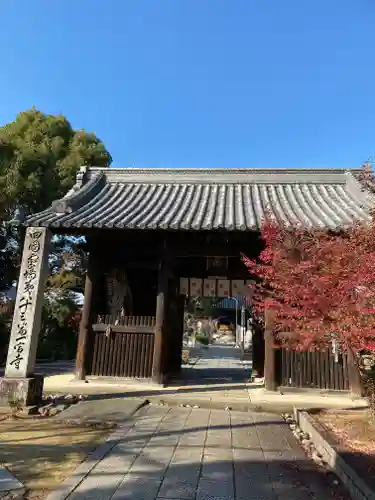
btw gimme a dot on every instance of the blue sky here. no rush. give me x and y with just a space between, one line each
199 83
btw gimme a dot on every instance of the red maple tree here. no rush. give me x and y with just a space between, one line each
319 285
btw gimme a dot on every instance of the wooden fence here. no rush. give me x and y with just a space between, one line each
123 347
314 370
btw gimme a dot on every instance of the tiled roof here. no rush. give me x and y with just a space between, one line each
173 199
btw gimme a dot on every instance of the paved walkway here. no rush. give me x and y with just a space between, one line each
181 454
218 380
218 364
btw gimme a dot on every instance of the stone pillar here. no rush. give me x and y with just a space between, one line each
20 383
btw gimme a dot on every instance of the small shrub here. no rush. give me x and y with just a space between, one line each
15 404
202 339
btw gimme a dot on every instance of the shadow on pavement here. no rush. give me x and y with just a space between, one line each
50 368
254 480
150 393
161 434
153 475
211 376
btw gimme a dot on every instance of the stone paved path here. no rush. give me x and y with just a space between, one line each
181 454
218 364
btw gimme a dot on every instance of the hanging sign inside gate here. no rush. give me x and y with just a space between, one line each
223 288
196 287
209 287
238 288
184 286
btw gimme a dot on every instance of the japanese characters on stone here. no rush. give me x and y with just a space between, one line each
27 297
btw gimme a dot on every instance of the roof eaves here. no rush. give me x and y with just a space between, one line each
355 187
79 195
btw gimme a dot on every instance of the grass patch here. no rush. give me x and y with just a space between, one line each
41 453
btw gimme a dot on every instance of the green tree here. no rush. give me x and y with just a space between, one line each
58 337
68 262
40 155
39 158
8 256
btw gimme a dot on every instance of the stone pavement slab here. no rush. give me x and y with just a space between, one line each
111 410
8 482
195 454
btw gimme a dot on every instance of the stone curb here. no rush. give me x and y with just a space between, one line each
202 404
80 473
259 407
326 447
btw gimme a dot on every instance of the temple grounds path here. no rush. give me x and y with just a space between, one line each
194 454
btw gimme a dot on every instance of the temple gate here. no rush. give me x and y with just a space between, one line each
156 236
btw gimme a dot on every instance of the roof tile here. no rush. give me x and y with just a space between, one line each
208 200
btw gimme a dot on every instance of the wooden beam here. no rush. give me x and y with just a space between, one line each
134 330
230 249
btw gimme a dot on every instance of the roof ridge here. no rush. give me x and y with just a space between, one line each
217 169
221 176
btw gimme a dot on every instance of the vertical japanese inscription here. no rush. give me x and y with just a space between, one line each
27 298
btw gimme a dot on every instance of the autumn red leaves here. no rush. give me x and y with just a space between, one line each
320 285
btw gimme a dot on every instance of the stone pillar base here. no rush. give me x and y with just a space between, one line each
25 391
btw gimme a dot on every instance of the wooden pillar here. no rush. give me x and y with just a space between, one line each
258 349
354 374
270 382
86 322
160 320
175 323
179 332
